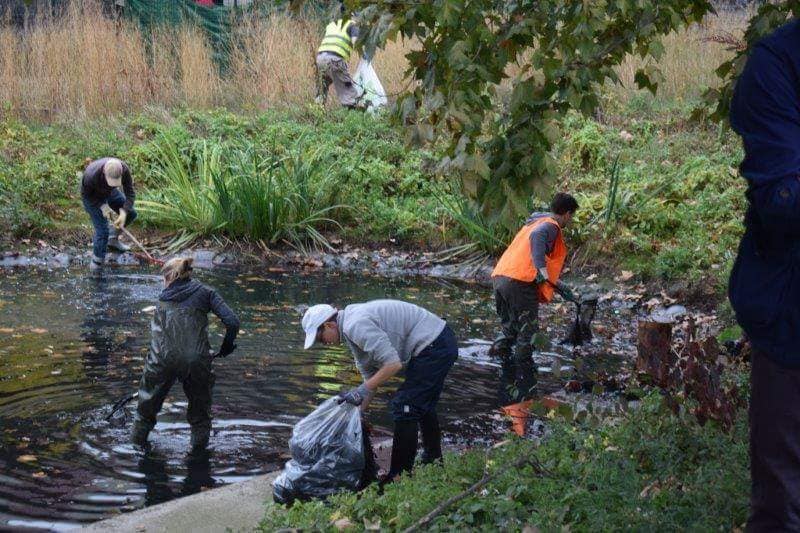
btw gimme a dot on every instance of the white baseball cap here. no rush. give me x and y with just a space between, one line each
313 319
113 172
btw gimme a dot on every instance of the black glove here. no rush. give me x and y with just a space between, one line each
226 349
354 396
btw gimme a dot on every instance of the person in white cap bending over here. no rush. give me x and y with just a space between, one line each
386 336
103 200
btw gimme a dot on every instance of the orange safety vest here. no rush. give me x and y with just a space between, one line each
517 263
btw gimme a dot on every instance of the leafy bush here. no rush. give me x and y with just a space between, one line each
678 202
677 209
649 471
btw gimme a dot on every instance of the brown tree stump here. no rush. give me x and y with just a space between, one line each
654 351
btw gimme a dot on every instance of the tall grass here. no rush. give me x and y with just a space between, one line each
689 60
242 191
83 64
86 65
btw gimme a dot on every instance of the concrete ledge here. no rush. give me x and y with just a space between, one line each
236 507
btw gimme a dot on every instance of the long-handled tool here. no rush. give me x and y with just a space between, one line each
133 239
147 254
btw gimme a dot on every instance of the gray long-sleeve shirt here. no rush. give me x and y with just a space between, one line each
542 239
382 332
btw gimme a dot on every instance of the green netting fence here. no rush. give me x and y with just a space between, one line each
218 22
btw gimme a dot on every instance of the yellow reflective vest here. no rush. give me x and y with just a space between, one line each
337 40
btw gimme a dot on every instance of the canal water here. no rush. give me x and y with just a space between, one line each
71 344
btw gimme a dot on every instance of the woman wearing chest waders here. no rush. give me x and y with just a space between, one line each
179 350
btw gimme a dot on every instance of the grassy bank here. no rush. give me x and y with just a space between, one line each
352 163
659 194
675 212
649 471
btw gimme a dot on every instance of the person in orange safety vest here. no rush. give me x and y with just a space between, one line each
525 276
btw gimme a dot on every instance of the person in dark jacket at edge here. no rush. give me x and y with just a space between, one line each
103 200
179 350
524 277
764 287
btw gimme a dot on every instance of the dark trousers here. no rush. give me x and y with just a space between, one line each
774 446
425 374
157 379
100 223
414 405
517 305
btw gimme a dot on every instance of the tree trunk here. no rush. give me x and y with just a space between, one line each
654 347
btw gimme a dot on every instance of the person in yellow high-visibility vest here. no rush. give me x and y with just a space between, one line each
525 276
332 57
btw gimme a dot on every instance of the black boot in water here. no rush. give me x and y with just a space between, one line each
404 449
431 438
139 434
199 441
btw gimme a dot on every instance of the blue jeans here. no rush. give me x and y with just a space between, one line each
100 223
425 374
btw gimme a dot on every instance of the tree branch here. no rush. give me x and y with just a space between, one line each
475 487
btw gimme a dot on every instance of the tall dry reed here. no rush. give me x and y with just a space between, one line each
274 64
689 58
86 65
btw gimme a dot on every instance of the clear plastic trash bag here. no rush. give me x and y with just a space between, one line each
373 95
327 450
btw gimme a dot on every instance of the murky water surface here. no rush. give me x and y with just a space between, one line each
72 344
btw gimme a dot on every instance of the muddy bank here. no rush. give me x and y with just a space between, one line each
347 259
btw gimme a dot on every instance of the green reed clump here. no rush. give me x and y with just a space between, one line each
243 191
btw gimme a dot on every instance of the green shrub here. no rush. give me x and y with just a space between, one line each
648 471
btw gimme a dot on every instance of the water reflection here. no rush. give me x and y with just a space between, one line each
157 479
71 345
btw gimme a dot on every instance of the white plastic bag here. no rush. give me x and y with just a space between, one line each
373 95
327 454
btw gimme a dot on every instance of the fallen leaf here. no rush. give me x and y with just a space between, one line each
342 524
372 526
625 275
26 458
651 490
39 474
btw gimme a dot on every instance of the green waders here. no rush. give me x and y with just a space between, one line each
517 306
179 350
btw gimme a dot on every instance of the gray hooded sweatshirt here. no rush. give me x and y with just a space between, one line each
382 332
542 239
